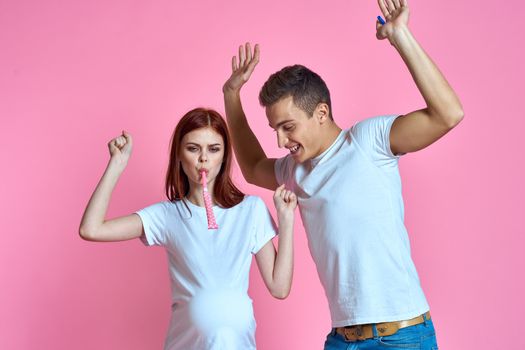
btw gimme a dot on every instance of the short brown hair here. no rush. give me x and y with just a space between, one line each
225 193
306 87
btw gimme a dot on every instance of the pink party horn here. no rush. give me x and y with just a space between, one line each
212 224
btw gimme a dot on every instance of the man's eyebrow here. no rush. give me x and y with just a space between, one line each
280 123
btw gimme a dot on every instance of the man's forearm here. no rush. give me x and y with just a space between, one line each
441 100
246 146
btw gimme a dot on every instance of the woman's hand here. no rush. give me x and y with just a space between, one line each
285 202
120 149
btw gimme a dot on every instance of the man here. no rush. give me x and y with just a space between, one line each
349 188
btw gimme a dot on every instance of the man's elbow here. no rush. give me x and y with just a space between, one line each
251 176
455 118
448 119
251 179
247 173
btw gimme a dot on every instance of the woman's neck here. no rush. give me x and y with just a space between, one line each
195 194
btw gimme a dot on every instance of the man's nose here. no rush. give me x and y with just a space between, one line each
281 139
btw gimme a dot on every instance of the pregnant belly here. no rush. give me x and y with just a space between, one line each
221 311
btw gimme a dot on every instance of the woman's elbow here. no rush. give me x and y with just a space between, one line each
280 293
85 233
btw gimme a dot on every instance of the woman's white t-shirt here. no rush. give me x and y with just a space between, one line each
209 270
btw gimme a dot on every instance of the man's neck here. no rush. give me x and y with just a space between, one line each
329 136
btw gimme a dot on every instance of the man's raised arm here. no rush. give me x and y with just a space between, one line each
255 166
418 129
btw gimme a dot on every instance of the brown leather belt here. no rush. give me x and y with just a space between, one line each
366 331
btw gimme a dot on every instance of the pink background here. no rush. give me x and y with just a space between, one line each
75 73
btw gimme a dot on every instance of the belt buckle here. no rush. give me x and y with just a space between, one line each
354 333
387 328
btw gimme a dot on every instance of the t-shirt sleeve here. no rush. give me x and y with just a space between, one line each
154 224
264 228
283 169
373 137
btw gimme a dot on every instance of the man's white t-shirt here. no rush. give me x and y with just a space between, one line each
209 270
352 208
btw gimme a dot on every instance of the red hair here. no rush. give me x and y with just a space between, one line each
225 193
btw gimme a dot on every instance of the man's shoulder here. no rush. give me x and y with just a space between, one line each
374 121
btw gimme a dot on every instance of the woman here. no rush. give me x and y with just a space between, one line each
209 269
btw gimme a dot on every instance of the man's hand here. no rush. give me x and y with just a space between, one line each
242 68
396 15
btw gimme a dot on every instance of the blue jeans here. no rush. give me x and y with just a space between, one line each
421 336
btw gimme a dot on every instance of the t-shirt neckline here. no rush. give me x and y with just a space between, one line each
315 161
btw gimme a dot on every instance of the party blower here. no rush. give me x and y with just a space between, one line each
212 224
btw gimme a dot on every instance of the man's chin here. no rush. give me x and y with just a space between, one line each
300 158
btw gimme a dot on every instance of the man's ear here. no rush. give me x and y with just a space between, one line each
322 112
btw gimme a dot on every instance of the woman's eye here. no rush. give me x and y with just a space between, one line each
289 127
192 149
215 149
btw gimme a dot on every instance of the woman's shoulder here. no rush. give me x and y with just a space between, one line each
255 203
248 210
250 201
166 206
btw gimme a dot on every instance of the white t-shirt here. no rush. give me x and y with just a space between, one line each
352 209
209 270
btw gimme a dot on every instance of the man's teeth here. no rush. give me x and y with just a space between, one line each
294 148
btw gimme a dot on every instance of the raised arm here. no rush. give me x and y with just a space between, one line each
421 128
255 166
94 226
276 267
